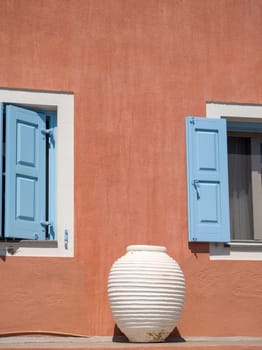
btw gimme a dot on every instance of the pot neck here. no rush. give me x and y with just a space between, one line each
148 248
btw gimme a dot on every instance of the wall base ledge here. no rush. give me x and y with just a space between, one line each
104 343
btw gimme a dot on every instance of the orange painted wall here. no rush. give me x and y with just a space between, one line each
137 68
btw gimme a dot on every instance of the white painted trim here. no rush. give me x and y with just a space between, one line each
245 244
220 252
219 110
244 112
63 103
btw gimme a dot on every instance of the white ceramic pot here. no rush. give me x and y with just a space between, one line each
146 293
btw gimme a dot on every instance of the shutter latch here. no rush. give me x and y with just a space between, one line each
195 183
46 223
66 238
48 132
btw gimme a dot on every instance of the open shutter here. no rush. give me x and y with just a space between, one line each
208 201
25 193
1 161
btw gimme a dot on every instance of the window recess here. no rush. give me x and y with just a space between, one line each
245 183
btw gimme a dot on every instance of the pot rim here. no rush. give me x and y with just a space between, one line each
149 248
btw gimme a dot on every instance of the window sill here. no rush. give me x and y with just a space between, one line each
34 248
245 244
236 251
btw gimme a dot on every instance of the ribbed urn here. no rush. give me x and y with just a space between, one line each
146 290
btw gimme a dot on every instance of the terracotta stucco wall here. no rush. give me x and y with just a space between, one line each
137 68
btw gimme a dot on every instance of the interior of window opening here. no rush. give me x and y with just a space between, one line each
245 185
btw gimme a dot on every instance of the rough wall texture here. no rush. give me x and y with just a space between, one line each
137 68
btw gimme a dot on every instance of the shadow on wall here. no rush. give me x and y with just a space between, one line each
198 248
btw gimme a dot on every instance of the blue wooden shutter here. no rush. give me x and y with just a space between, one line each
25 194
208 201
1 160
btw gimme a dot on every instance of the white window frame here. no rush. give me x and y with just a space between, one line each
63 104
245 113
